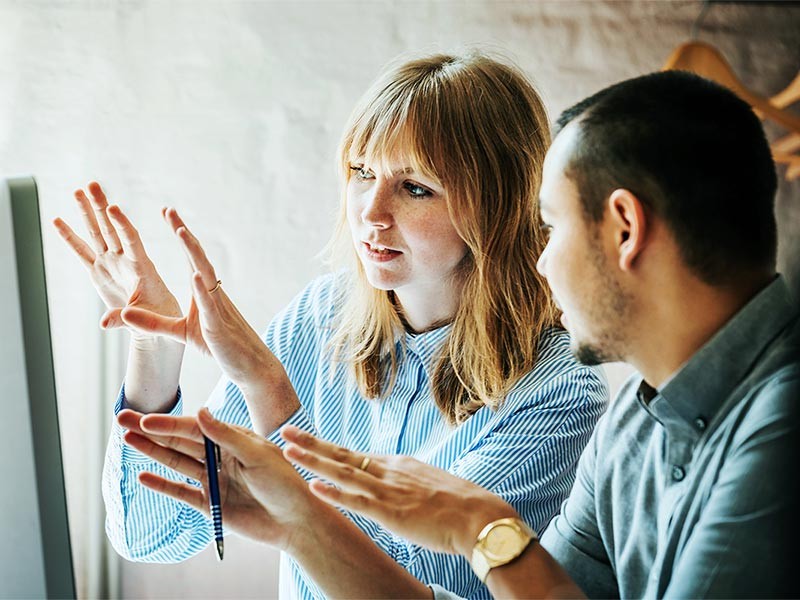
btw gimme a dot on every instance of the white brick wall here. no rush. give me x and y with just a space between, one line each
231 111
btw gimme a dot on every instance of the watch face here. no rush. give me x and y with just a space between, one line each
502 541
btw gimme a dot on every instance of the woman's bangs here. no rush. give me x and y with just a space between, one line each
395 134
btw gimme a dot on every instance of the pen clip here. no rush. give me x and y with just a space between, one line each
218 454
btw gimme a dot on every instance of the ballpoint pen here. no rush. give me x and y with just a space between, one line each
212 467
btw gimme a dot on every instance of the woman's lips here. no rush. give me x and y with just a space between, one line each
382 255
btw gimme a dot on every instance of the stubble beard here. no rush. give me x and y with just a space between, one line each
609 316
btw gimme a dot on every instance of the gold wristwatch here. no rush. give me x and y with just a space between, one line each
499 543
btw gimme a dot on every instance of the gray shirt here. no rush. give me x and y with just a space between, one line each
690 491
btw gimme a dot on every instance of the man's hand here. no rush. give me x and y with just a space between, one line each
419 502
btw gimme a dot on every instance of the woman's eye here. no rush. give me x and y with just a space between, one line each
362 174
416 191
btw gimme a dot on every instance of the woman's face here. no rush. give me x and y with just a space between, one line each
402 231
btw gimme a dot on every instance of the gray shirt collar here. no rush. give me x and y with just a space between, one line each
692 397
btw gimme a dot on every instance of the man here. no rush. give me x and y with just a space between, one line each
658 193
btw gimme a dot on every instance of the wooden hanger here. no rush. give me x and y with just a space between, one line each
791 143
705 60
788 96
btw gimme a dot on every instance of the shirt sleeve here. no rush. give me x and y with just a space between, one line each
743 545
529 460
573 538
143 525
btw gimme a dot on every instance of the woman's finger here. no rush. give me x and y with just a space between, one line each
243 444
96 240
197 256
187 446
130 419
147 321
191 246
81 249
175 460
170 216
112 319
204 296
178 432
184 492
99 203
180 426
128 235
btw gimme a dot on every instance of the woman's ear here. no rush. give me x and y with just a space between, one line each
629 226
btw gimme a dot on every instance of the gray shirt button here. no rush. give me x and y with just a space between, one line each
678 473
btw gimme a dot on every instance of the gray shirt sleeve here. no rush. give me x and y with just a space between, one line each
738 547
573 537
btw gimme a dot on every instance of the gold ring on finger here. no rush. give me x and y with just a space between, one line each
216 287
365 463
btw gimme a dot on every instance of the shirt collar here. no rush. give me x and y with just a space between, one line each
699 389
426 345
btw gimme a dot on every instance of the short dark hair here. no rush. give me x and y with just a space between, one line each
695 154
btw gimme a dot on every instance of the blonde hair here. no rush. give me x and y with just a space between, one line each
478 126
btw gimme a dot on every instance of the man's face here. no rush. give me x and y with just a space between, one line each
579 263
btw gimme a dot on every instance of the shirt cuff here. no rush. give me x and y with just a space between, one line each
127 454
299 419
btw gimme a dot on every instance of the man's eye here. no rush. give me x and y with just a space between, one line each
362 174
416 191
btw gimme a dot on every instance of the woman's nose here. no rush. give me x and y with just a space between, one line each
541 264
377 207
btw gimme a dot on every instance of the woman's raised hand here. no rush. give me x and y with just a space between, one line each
417 501
263 496
118 265
215 326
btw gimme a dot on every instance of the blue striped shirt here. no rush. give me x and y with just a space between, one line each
526 452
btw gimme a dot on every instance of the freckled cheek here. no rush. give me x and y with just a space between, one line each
353 212
437 239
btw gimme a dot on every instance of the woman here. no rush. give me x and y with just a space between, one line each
439 341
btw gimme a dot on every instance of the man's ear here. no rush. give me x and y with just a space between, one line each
629 226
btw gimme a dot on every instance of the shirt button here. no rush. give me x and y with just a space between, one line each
700 423
678 473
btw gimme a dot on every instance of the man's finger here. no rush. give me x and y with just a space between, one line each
309 442
341 473
365 505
